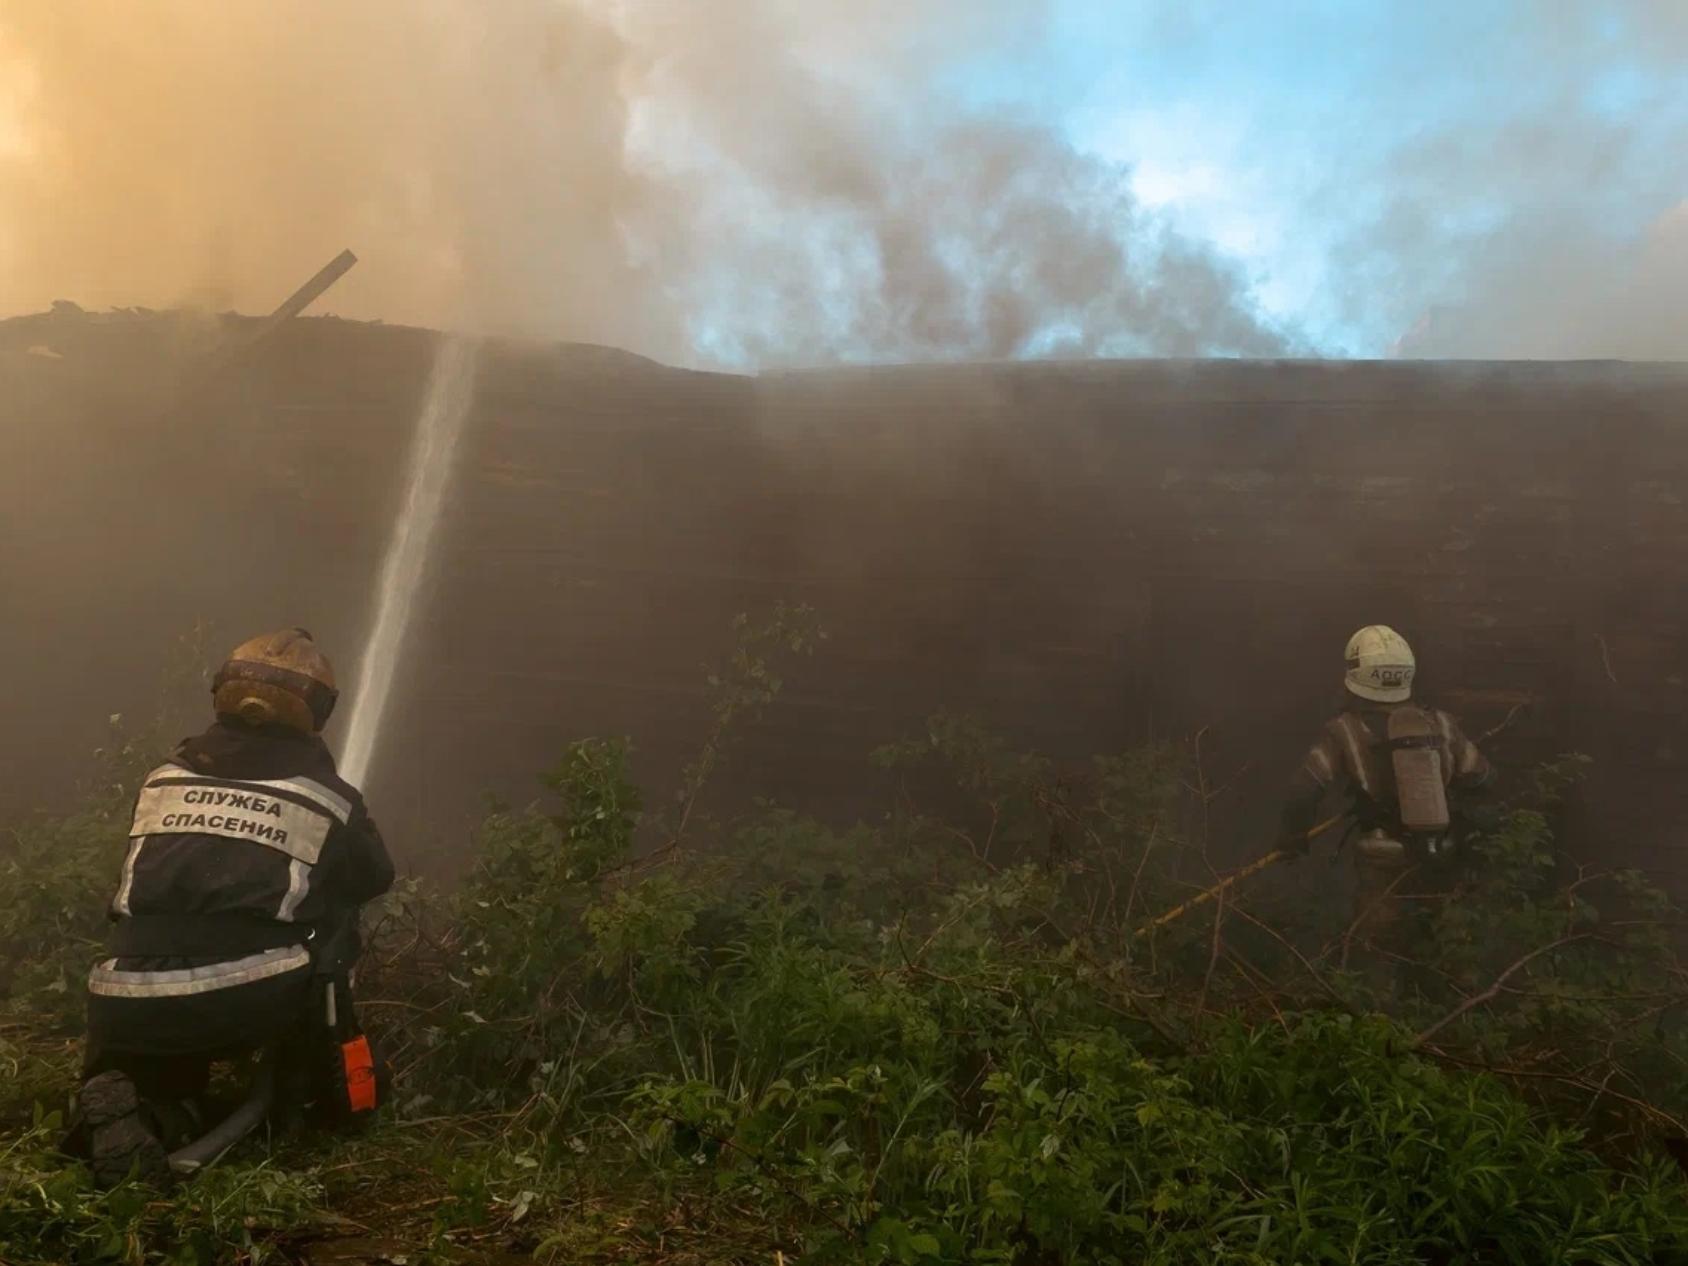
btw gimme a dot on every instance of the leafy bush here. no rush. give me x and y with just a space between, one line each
52 873
56 873
929 1041
949 1034
58 870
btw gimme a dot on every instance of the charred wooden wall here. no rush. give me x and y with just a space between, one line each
1084 554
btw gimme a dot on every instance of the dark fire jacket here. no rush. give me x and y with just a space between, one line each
244 845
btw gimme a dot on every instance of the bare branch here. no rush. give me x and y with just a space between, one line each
1494 990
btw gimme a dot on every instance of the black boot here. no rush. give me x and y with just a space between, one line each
121 1138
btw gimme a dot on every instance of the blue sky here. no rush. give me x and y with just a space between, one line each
1358 159
758 183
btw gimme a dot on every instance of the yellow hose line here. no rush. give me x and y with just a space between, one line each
1253 868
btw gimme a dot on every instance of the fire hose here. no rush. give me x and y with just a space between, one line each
246 1117
1253 868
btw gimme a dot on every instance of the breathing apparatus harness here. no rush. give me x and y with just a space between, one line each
1418 822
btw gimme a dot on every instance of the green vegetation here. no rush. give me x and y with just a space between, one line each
637 1035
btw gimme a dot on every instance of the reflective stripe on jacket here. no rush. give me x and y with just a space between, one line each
240 828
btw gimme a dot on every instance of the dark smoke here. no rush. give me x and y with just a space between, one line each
754 181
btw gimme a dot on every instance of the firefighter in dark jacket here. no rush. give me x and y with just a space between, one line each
237 908
1400 764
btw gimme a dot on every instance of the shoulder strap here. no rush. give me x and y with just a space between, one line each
1354 741
1412 727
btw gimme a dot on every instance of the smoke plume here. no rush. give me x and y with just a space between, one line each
1553 222
744 181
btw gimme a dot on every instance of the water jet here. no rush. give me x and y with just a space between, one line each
445 404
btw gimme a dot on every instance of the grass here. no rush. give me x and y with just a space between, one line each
640 1036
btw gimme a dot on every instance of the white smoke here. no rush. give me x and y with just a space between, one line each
752 180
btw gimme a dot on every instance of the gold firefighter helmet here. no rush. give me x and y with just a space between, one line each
277 679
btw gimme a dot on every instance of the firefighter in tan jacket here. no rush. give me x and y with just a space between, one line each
1400 763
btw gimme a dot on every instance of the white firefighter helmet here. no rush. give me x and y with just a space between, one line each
1380 665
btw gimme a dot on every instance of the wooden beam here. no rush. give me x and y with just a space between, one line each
304 296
